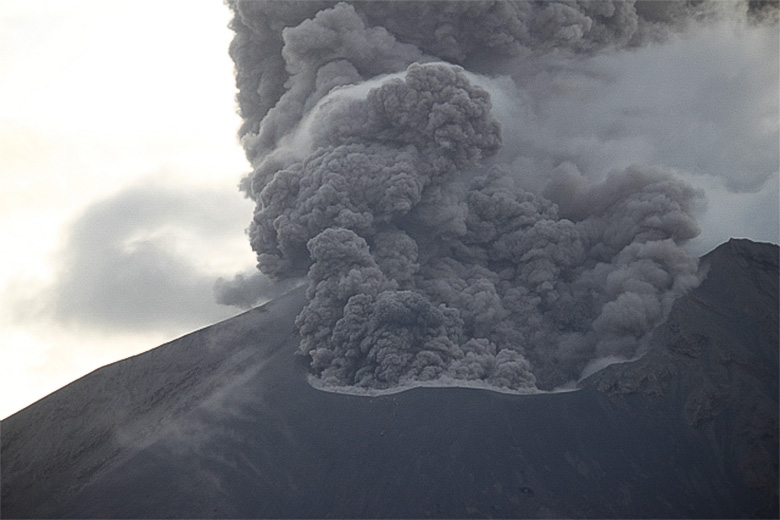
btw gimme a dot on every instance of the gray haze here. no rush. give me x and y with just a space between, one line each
410 159
127 263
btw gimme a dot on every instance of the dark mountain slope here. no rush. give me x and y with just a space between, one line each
221 423
715 363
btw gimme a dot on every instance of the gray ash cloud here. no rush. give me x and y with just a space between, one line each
377 174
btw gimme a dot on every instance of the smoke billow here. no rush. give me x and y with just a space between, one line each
376 172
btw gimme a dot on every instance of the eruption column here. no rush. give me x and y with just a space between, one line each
375 175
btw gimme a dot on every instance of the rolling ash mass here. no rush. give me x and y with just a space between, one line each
442 245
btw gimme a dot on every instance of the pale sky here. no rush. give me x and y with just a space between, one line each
118 173
119 165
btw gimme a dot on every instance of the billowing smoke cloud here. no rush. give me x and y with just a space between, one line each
246 290
431 254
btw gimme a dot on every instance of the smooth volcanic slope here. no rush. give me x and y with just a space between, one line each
222 423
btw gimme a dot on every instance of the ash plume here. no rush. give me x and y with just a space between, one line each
378 174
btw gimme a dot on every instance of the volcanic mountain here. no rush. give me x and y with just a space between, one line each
223 423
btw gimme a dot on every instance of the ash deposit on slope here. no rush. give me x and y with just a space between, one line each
438 247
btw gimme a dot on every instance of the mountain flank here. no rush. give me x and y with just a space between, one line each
222 423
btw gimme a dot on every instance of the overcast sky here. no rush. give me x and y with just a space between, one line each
118 206
119 166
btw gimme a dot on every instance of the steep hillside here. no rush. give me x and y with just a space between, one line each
222 423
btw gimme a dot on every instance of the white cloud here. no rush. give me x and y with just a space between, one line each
704 104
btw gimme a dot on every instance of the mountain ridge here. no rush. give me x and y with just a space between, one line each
225 425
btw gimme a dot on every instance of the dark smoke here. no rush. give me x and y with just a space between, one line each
247 290
371 132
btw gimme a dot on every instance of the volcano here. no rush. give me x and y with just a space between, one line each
223 423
